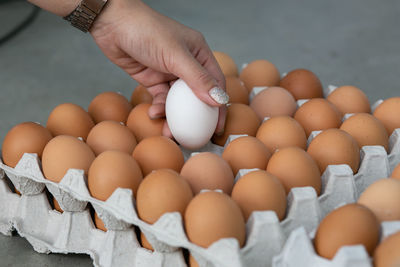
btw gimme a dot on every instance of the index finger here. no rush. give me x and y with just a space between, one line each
206 58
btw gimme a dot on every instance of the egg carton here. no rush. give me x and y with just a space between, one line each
73 231
299 250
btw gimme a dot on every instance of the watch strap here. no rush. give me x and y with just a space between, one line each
85 14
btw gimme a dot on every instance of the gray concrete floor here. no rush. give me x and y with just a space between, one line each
344 42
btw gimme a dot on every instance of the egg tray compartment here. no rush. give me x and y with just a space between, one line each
299 250
57 232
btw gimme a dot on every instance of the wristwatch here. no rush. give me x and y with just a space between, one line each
85 14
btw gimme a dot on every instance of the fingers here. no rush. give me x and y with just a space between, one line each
159 93
203 84
156 111
208 61
150 77
166 131
219 130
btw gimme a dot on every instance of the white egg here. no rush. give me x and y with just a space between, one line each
192 122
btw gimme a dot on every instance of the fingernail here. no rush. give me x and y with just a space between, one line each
220 133
219 95
156 117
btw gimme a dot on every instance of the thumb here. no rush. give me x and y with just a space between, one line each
202 83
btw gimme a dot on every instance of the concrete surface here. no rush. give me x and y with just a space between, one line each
344 42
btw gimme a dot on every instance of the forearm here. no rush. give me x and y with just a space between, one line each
59 7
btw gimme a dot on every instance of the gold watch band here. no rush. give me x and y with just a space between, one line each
85 14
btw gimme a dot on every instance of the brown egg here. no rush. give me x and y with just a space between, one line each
145 243
333 147
141 125
192 261
260 190
352 224
140 95
26 137
109 106
366 130
208 171
226 63
57 206
69 119
65 152
396 172
280 132
99 223
260 73
240 119
383 198
274 101
246 152
388 113
112 170
318 114
211 216
387 253
236 90
303 84
349 99
111 135
295 168
160 192
158 152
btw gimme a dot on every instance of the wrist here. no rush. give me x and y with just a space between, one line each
113 14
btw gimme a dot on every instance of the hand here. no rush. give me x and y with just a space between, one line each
155 50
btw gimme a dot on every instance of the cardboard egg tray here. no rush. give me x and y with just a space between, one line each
73 231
